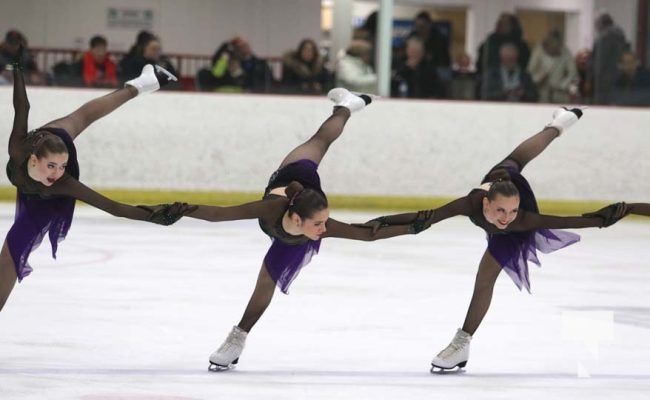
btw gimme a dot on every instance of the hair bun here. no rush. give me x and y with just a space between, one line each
499 175
293 188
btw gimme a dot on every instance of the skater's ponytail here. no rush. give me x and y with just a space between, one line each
501 185
304 202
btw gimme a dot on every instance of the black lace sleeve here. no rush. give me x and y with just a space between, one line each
21 112
69 186
342 230
531 221
461 206
257 209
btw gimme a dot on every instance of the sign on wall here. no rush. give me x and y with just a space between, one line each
132 18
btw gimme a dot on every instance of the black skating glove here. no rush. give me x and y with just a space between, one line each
16 63
167 214
610 214
422 221
374 224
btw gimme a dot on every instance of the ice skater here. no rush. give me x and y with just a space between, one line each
294 213
43 167
505 207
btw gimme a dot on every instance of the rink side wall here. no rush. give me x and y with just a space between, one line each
218 143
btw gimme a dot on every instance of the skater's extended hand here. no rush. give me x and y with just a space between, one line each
373 224
17 60
610 214
422 221
167 214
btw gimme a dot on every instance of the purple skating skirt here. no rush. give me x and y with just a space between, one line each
513 250
284 260
36 216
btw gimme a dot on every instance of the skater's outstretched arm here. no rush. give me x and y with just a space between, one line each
165 214
255 209
639 209
602 218
461 206
367 233
531 221
21 111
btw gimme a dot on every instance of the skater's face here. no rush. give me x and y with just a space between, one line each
314 227
49 168
501 211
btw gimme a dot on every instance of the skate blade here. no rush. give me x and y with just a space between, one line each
221 368
458 369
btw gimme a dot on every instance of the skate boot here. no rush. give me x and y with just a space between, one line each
563 118
454 355
227 355
151 79
352 101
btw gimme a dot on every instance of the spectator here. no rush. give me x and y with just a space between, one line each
141 39
148 50
463 64
585 77
632 87
463 82
510 82
436 44
236 68
14 43
508 30
303 70
553 70
354 70
608 48
416 77
368 32
97 67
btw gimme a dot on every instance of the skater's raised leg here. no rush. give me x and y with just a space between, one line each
536 144
315 148
151 79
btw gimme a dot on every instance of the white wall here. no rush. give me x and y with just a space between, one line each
394 147
188 26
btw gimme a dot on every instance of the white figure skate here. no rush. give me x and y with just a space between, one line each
227 355
151 79
454 355
563 118
350 100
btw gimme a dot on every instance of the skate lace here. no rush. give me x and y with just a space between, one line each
457 344
233 340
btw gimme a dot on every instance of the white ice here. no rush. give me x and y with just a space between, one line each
132 311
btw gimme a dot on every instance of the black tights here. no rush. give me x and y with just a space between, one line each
533 146
489 268
313 149
78 120
259 301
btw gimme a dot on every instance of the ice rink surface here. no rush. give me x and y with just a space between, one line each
131 311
